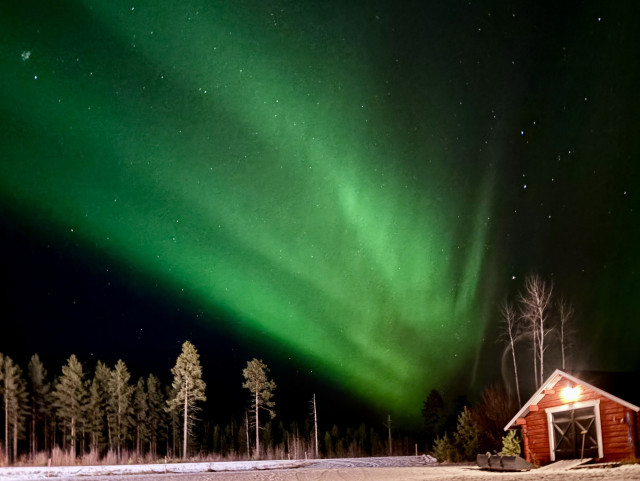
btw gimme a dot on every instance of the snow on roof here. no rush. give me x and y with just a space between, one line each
551 382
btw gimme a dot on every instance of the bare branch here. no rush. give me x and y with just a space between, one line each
509 336
535 304
566 312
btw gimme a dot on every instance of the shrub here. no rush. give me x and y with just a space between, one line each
443 449
466 436
62 458
492 413
511 444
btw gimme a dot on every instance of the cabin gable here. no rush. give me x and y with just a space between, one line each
573 418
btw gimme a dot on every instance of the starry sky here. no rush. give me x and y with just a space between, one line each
347 190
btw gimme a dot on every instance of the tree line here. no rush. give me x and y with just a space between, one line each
105 415
102 413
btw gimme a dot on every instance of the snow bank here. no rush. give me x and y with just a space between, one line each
22 473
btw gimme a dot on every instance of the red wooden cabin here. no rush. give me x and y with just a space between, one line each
575 416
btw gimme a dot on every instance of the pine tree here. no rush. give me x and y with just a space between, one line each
2 394
97 407
257 381
70 398
120 408
155 417
173 420
40 390
95 416
14 393
188 387
140 409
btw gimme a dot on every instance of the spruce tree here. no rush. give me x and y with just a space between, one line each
120 408
433 413
70 398
188 388
257 381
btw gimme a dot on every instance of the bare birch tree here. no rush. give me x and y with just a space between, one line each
535 305
565 312
509 336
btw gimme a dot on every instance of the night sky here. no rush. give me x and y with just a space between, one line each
347 190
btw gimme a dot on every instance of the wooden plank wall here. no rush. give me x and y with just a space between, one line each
636 417
619 441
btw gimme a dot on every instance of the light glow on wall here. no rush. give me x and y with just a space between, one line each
570 394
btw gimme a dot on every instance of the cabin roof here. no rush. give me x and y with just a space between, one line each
605 384
623 385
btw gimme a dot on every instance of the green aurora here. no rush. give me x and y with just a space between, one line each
217 152
352 186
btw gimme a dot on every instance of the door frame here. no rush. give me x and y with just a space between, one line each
570 407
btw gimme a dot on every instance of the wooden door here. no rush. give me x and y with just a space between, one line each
575 434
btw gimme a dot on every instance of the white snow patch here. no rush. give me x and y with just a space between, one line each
22 473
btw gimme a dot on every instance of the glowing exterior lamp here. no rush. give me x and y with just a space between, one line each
570 394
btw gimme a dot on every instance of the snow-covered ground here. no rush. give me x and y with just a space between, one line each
26 473
408 468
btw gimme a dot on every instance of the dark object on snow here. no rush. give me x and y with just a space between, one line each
496 462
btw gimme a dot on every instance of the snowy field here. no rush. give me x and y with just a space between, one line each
408 468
